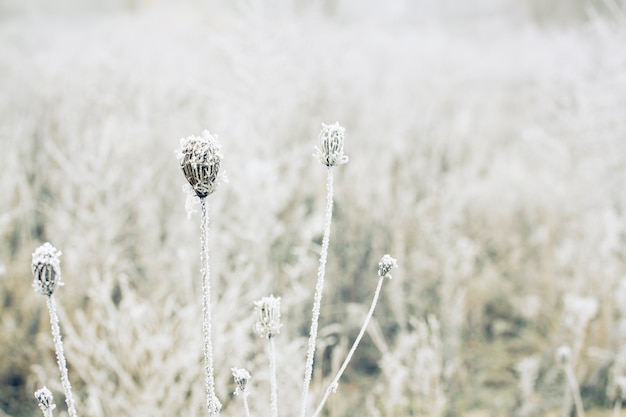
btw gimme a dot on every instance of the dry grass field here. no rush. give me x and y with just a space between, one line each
487 147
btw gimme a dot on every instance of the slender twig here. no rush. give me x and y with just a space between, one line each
318 293
58 346
273 385
571 379
335 382
213 404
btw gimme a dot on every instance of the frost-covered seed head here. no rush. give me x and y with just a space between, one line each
46 269
563 355
268 316
620 387
241 377
385 264
200 158
44 397
330 150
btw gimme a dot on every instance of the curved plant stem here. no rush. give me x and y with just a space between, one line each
308 372
273 385
335 382
58 347
212 403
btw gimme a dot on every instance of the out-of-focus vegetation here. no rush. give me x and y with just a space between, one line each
487 147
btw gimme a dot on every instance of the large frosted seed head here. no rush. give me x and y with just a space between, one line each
46 267
268 316
330 147
199 158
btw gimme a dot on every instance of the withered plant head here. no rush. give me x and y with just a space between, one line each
385 264
44 397
46 269
200 158
563 355
330 149
241 377
268 316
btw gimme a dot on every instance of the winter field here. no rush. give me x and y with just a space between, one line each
487 147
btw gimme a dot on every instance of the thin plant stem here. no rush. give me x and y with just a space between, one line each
273 384
617 408
571 379
335 382
308 372
213 405
58 347
245 405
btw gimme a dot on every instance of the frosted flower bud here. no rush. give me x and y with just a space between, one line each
241 377
330 150
46 269
563 355
200 158
385 264
44 397
268 316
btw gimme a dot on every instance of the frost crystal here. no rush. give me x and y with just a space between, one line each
46 269
241 377
268 316
200 158
385 264
330 150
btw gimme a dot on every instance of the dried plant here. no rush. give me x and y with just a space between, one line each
200 159
46 401
46 268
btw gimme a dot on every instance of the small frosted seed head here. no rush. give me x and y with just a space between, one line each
241 377
44 397
268 316
620 387
563 355
330 149
200 158
46 269
385 264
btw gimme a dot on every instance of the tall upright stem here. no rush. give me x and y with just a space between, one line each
308 372
212 403
571 379
273 385
335 382
58 347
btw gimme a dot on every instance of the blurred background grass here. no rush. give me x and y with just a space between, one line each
487 153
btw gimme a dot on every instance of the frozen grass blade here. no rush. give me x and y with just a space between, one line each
384 266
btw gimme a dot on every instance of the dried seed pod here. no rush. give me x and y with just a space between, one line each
199 159
46 269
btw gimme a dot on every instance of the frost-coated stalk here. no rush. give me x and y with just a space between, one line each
46 267
273 385
386 263
58 347
617 407
267 326
308 373
213 404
